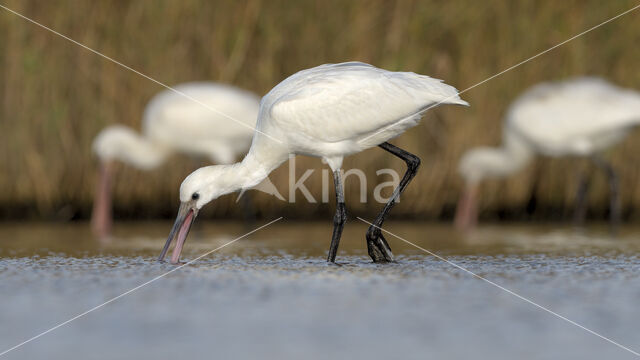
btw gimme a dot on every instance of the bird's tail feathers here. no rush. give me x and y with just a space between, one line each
428 88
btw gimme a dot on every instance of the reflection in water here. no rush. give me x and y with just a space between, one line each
312 239
272 295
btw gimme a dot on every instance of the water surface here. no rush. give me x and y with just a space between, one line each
272 295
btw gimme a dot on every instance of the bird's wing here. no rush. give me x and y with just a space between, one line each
343 101
201 114
573 113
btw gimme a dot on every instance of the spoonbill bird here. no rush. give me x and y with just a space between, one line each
579 117
328 111
202 118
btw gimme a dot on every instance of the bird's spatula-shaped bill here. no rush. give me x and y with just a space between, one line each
186 215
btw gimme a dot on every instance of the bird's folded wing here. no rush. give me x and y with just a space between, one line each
345 105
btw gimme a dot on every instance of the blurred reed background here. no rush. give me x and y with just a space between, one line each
56 96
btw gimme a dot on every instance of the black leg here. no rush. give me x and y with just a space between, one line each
614 197
340 217
377 245
580 211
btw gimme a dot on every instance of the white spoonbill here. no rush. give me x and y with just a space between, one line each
329 111
578 117
213 120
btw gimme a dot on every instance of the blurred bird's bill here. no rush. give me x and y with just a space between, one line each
186 215
466 216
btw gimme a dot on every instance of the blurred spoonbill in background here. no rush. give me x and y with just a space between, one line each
329 111
579 117
208 119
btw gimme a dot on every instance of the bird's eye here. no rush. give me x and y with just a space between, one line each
195 196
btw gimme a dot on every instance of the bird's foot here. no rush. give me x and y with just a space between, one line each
377 246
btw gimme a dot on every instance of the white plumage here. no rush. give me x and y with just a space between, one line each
332 109
204 119
212 120
578 117
329 111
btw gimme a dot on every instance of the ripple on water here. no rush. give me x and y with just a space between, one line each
271 299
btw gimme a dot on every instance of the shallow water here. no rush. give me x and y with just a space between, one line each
272 295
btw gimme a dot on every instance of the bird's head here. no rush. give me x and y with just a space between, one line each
198 189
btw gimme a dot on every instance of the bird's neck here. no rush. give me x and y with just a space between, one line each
144 154
123 144
262 159
516 153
